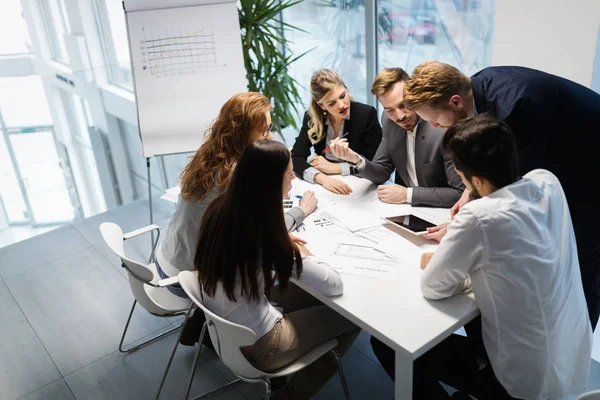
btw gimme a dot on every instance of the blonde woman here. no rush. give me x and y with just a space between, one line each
332 114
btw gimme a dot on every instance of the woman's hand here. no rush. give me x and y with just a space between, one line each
464 199
297 240
304 251
437 232
301 245
333 185
308 202
329 168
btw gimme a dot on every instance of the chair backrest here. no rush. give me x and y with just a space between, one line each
594 395
227 337
139 274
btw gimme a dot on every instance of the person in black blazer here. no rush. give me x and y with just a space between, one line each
556 125
332 113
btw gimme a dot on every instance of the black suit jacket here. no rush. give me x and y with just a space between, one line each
364 136
556 124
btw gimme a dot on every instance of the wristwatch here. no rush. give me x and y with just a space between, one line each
353 169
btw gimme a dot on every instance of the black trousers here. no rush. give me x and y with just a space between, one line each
585 224
458 361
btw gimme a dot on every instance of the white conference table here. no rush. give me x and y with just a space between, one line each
394 311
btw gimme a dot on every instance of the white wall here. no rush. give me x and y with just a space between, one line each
556 36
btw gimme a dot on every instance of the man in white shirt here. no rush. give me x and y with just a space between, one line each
514 246
424 177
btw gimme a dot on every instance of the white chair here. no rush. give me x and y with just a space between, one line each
147 288
593 395
228 337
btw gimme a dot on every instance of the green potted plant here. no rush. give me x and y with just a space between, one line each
267 56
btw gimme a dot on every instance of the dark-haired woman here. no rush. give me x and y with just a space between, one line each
244 248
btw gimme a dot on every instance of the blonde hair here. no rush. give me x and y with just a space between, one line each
386 79
433 83
322 83
241 121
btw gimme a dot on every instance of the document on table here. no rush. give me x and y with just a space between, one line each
351 254
172 194
350 215
315 223
370 268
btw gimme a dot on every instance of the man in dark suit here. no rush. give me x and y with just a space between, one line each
424 177
556 124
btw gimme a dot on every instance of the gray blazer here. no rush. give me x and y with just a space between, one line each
439 185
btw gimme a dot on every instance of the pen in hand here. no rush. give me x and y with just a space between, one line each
328 147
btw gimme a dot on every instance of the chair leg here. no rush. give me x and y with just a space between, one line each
162 382
217 389
342 376
195 363
267 389
126 327
137 346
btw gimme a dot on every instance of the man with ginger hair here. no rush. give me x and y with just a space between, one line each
556 125
411 147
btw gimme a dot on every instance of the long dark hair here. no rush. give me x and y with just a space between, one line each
243 231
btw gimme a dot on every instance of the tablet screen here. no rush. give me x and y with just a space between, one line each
411 222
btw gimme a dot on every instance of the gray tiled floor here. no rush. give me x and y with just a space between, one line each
64 300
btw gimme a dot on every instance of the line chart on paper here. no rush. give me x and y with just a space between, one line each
178 50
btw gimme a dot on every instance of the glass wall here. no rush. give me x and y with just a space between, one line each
457 32
57 26
596 71
14 37
334 32
33 181
113 33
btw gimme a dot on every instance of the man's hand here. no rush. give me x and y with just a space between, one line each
329 168
394 194
425 258
308 202
437 232
340 149
464 199
333 185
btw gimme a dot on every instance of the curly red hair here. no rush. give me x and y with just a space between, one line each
241 121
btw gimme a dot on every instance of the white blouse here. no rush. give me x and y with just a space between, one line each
261 316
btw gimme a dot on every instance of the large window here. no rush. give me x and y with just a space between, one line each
335 31
33 184
113 31
57 26
409 32
457 32
14 37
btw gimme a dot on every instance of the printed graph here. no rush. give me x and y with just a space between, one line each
177 50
